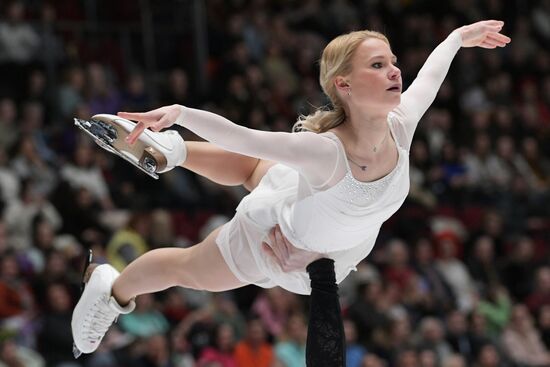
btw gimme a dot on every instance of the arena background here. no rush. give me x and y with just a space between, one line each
460 276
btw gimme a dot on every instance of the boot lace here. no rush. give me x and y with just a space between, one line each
98 320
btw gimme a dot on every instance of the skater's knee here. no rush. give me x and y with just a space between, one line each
256 175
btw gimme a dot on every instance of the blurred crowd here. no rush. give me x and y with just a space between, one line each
460 276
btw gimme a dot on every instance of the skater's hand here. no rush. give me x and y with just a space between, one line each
484 34
285 254
155 120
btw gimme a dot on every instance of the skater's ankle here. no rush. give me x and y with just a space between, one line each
122 300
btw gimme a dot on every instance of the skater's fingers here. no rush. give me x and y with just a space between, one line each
281 242
134 135
267 249
271 235
147 117
165 121
276 247
500 40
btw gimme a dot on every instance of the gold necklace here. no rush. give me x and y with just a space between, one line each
374 149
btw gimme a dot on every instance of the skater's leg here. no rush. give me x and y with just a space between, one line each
167 150
223 167
199 267
108 293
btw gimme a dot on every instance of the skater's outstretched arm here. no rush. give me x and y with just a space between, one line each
422 92
313 155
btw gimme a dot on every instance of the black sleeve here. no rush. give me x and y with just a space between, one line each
325 338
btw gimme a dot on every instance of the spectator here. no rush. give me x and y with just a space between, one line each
13 355
372 360
71 92
254 350
9 181
518 272
369 311
274 306
456 274
146 320
129 242
544 324
102 95
177 89
181 349
221 352
432 337
16 301
28 164
439 291
8 122
398 342
355 352
477 164
291 347
18 46
19 214
157 352
488 356
398 270
136 96
407 358
482 264
55 338
175 307
454 360
495 307
83 172
506 164
539 165
522 341
458 336
541 294
427 357
479 335
225 312
18 40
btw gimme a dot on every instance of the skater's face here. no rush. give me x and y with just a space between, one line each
374 81
358 68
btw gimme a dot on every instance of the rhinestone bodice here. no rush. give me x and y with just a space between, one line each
365 193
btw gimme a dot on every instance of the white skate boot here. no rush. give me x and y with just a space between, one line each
96 310
152 153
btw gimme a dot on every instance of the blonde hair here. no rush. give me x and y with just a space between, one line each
335 61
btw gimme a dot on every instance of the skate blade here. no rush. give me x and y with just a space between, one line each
86 265
86 274
76 352
106 143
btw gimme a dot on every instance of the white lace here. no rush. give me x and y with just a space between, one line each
98 320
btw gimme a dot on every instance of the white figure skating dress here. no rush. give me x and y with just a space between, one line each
311 193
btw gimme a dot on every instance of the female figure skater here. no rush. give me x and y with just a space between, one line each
329 189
